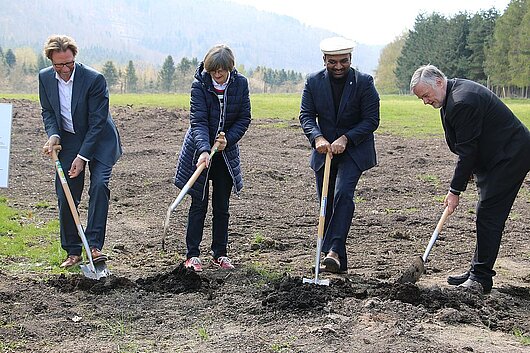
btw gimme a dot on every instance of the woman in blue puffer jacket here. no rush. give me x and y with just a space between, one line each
219 103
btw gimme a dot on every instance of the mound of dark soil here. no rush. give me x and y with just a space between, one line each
180 280
79 282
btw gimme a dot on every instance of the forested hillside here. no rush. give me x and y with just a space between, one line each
153 46
140 30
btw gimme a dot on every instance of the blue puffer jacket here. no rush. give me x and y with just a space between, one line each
206 121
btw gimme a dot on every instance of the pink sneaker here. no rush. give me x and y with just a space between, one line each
224 263
194 263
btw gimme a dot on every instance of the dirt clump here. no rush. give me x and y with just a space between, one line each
180 280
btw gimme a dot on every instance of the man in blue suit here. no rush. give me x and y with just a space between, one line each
75 111
339 114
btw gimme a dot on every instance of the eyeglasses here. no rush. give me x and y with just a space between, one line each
218 72
61 65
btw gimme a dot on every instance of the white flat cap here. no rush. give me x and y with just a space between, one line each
336 46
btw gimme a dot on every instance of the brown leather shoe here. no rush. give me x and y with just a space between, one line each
71 260
97 255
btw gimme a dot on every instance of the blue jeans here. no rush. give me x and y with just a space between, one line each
222 187
343 179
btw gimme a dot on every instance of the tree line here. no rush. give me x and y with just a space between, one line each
486 47
19 75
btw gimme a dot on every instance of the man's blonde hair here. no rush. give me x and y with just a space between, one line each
61 43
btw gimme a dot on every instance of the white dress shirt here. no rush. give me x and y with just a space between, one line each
65 100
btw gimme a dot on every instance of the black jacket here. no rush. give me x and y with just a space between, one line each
481 130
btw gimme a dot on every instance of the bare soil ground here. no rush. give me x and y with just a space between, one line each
152 304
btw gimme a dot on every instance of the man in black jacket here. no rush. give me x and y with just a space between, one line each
492 144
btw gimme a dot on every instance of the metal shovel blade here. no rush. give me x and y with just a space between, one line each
414 272
100 271
321 282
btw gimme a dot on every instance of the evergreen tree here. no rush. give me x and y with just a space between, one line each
455 47
184 74
166 76
42 62
519 56
185 66
497 56
131 80
481 29
110 73
10 58
423 46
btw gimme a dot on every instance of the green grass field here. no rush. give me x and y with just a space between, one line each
401 115
26 244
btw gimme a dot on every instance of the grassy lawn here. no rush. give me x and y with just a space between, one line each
26 244
401 115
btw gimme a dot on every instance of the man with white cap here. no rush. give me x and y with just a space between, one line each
339 114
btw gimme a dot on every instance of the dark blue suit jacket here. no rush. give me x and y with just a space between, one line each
357 118
91 118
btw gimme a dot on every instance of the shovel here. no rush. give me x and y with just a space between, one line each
185 190
321 221
90 270
414 272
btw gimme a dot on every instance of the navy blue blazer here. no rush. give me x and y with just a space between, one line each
91 117
357 118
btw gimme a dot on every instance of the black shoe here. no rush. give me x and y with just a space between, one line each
330 264
476 286
458 279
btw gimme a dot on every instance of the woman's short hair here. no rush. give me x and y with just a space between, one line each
61 43
219 57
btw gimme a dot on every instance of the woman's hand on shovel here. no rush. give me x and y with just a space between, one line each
204 158
221 138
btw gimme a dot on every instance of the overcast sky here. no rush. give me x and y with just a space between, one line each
372 22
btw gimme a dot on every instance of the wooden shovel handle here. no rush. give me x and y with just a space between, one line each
64 183
324 196
200 168
442 220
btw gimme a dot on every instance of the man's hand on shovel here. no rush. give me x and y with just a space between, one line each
49 145
451 201
78 164
322 145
